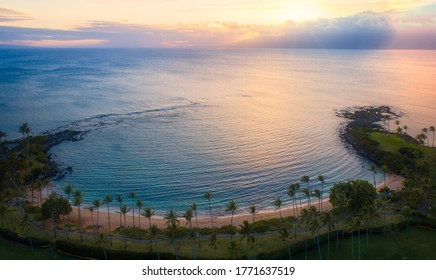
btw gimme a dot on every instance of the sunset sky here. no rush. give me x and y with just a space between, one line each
219 23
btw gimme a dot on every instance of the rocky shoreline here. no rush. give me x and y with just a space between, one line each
363 117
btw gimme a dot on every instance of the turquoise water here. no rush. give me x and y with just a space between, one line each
242 124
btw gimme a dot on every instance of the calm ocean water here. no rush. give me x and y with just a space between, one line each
242 124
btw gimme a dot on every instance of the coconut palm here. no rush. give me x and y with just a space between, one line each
91 209
208 197
406 213
286 235
119 199
172 224
97 203
405 128
432 130
103 242
322 180
317 194
387 120
188 215
368 213
132 195
391 232
278 206
213 242
2 135
139 204
246 230
306 180
77 201
148 213
68 190
231 207
24 225
328 219
124 210
373 169
107 200
292 191
305 218
153 234
306 193
315 225
252 210
425 132
194 208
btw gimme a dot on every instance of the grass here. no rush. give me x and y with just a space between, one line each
392 143
13 251
416 244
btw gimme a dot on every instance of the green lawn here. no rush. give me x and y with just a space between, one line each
417 244
13 251
392 143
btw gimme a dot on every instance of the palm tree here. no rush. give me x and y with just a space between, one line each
124 210
317 194
97 203
77 201
315 226
306 193
358 222
327 218
68 190
153 234
148 213
306 179
384 170
278 206
387 119
425 132
305 218
172 223
391 231
368 213
194 208
103 242
139 204
231 207
24 225
252 210
132 195
432 129
406 213
119 199
107 200
91 209
246 230
213 242
24 129
208 196
291 193
373 168
188 215
322 180
286 235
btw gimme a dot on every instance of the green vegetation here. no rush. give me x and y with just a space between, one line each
363 224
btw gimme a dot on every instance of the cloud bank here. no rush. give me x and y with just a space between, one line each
413 29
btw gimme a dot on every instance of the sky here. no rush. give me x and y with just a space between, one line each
407 24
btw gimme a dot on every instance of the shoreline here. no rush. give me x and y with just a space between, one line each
393 182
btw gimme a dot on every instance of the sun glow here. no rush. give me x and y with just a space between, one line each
298 12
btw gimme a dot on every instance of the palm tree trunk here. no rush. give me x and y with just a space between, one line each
328 245
80 224
125 232
210 210
305 237
358 243
109 224
319 247
231 224
157 249
98 210
30 241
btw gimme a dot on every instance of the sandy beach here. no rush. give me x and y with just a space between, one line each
394 182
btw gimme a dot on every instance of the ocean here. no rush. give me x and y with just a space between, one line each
243 124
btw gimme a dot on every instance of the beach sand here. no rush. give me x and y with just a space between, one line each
393 182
